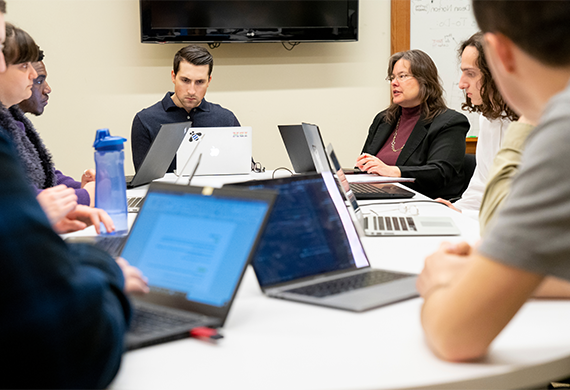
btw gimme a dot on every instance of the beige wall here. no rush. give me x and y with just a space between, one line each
101 76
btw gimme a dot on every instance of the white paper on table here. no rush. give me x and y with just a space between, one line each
371 178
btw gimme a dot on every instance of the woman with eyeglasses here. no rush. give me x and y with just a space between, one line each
417 136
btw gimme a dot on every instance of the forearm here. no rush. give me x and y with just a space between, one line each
82 196
68 181
553 287
461 319
99 318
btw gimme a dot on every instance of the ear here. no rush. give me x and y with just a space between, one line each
503 49
173 76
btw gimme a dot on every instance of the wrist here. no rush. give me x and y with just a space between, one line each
396 172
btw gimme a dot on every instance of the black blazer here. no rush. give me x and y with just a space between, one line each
433 154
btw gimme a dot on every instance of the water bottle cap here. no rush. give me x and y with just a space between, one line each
104 140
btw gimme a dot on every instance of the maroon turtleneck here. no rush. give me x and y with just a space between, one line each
408 120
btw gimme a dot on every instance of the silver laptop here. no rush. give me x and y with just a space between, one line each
193 244
311 252
225 150
376 224
160 154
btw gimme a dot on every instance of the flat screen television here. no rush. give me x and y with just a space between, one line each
219 21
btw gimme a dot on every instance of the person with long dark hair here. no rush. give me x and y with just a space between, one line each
417 136
481 96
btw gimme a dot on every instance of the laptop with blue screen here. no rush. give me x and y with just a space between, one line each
193 244
311 252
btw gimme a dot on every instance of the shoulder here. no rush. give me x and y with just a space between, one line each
158 107
379 119
450 118
218 109
556 111
380 116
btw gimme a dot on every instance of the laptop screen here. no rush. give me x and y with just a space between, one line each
194 246
341 179
308 232
316 146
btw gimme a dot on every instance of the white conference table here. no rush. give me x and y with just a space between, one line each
276 344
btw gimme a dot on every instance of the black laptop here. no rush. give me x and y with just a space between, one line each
306 151
193 244
160 155
311 252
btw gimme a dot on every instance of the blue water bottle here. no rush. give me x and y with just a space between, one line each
110 185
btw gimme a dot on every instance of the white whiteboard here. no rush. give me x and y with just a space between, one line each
438 27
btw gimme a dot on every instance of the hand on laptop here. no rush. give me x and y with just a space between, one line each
373 164
135 281
83 216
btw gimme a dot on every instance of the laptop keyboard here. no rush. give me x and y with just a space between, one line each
365 188
349 283
112 244
150 320
378 223
134 203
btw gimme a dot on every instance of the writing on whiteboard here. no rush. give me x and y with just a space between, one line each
427 8
438 27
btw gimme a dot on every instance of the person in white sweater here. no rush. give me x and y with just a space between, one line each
482 96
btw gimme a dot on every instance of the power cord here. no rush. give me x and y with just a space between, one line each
291 45
281 168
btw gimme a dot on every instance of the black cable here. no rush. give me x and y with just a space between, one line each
293 44
287 169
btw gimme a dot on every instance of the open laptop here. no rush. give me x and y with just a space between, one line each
306 151
134 203
310 250
160 154
225 150
375 224
193 244
297 148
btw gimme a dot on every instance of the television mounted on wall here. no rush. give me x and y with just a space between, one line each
226 21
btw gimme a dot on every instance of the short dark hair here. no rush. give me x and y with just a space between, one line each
19 46
2 6
424 70
40 55
493 105
540 28
196 55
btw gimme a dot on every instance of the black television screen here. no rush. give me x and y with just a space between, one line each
212 21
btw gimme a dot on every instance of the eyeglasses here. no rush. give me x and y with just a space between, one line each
401 77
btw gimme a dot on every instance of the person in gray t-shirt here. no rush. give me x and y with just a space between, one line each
528 239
